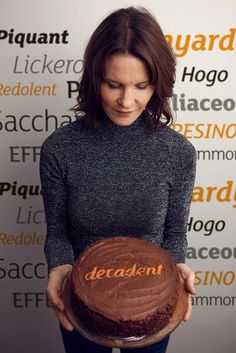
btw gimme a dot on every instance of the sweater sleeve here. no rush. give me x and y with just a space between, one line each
57 248
176 220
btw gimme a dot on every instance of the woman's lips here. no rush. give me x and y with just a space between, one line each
123 113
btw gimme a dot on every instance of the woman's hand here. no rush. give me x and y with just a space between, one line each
55 282
188 276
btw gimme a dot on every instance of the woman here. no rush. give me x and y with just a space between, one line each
119 169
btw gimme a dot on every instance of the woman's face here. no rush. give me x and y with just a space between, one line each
126 90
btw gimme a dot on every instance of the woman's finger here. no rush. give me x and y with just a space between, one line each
189 309
55 286
188 276
63 319
54 298
189 283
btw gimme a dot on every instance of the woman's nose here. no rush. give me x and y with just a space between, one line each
126 99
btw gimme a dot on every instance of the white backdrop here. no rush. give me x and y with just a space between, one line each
203 36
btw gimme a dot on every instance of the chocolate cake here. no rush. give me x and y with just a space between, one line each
124 287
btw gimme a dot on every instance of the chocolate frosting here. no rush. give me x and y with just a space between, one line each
130 295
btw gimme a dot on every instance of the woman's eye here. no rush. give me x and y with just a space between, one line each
142 87
112 86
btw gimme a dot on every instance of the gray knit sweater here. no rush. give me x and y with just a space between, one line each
127 181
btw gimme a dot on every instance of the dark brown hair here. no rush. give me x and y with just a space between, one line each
130 31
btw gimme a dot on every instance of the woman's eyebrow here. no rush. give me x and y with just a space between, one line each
114 81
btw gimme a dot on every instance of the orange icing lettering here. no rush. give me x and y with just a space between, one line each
154 271
91 275
100 273
123 272
131 271
108 272
120 272
140 271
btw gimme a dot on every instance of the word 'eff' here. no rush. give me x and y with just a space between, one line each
123 272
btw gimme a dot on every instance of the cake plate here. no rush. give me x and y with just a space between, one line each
127 342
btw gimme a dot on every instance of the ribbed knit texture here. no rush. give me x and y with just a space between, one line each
128 181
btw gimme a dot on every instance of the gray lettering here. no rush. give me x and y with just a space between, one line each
212 253
201 75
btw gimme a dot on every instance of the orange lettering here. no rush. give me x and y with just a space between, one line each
91 275
131 271
108 273
140 271
101 273
120 272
